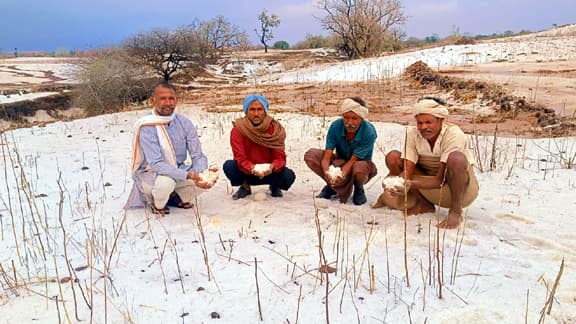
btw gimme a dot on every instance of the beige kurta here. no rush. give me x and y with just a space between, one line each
428 159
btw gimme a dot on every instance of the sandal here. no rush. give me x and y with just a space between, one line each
175 201
185 205
163 211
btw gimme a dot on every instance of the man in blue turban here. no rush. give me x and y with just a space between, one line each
257 142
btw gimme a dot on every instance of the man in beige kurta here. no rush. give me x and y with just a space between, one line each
437 163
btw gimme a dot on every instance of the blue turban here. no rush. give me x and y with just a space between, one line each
254 97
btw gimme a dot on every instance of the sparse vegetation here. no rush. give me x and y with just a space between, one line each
364 27
110 81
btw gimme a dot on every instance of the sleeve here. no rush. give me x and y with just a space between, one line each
331 137
278 160
153 155
454 141
239 151
198 159
411 153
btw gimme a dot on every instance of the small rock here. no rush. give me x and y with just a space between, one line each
214 315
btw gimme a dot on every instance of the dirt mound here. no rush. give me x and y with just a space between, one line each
491 95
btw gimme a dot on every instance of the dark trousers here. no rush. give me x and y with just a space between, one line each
283 179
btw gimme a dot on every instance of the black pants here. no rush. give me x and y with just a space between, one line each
283 179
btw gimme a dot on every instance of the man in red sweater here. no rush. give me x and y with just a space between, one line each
257 142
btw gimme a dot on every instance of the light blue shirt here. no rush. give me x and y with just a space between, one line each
184 138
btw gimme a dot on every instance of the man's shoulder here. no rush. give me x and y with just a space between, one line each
369 124
453 130
181 117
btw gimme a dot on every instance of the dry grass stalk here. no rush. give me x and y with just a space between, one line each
9 195
547 309
158 255
387 254
200 227
105 282
424 276
65 245
298 305
9 284
322 261
24 186
439 252
172 243
526 311
304 270
365 253
372 280
258 289
456 255
406 272
58 280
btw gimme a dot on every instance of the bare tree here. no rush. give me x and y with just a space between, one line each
264 31
163 50
221 35
189 47
363 26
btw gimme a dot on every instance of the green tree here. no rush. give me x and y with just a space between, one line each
264 31
283 45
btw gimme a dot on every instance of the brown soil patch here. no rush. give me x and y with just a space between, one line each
390 101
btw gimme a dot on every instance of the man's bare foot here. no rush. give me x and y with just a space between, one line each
451 221
421 208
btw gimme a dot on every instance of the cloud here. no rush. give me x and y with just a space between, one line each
306 8
443 8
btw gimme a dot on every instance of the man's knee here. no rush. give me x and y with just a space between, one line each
457 160
393 159
164 184
312 157
287 178
163 187
230 167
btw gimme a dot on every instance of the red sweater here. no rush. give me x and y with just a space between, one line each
247 153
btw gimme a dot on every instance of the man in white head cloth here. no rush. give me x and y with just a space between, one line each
349 147
163 139
437 163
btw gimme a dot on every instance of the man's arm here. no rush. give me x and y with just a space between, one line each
347 167
239 151
199 161
278 160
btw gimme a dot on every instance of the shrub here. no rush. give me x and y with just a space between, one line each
283 45
110 81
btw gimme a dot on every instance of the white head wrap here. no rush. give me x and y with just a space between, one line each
431 107
351 105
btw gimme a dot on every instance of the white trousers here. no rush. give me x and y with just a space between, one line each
164 186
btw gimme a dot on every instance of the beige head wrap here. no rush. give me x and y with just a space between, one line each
351 105
431 107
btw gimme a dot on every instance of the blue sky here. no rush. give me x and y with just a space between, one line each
85 24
